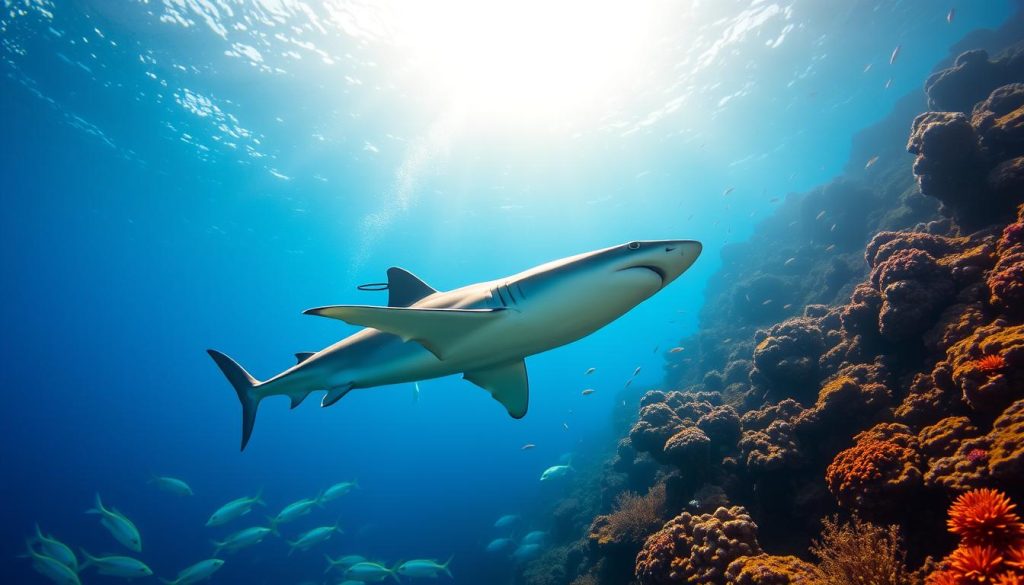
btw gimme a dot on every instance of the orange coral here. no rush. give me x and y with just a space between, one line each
984 516
881 464
942 578
990 363
1010 579
975 564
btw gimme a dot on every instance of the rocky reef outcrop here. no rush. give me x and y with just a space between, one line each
875 373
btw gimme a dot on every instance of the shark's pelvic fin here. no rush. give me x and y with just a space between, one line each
507 383
404 288
435 329
335 394
298 398
303 356
244 385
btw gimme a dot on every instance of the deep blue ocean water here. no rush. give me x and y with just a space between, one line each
179 176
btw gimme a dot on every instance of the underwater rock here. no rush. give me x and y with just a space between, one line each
973 166
879 472
765 569
1006 439
914 289
972 76
987 367
697 548
688 449
769 440
786 357
666 427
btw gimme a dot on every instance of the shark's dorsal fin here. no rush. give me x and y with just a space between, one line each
405 288
435 329
507 383
303 356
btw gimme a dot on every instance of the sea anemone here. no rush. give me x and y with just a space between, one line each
990 363
1010 579
975 564
975 455
1015 556
984 516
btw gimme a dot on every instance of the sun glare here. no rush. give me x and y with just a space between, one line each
528 59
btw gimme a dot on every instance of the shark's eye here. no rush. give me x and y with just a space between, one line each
633 245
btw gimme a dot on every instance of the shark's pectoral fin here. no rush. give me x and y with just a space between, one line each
507 383
303 356
435 329
335 394
405 288
297 398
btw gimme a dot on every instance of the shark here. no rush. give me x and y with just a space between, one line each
483 331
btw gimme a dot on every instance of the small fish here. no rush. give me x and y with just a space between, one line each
555 472
369 572
636 371
867 68
587 391
55 549
950 15
766 303
833 228
830 247
415 391
241 539
234 509
506 520
727 340
773 200
114 566
789 262
53 569
343 563
656 348
820 215
498 544
312 537
197 572
589 371
565 426
294 510
528 446
895 54
677 349
534 537
339 489
428 568
888 83
628 382
787 306
728 190
871 162
172 485
119 526
695 504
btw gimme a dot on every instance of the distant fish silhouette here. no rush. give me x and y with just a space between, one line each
728 190
820 215
950 15
888 83
528 446
589 371
871 162
676 350
587 392
895 54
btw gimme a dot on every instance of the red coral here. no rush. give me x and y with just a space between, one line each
985 516
975 564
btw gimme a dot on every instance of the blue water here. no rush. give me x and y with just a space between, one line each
182 176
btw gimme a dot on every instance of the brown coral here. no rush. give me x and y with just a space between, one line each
880 468
767 569
634 518
786 357
968 367
860 553
697 548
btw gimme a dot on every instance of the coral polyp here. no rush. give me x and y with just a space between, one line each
990 363
975 564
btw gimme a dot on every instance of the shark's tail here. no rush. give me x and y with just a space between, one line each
244 385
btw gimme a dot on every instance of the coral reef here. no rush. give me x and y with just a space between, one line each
881 469
697 549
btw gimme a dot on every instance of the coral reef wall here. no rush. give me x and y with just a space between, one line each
861 358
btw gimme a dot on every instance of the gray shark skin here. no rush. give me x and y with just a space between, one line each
482 331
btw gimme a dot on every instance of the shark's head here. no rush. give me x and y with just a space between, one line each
665 258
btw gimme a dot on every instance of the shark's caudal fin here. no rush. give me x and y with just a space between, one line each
244 385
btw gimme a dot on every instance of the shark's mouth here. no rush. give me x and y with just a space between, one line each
654 269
